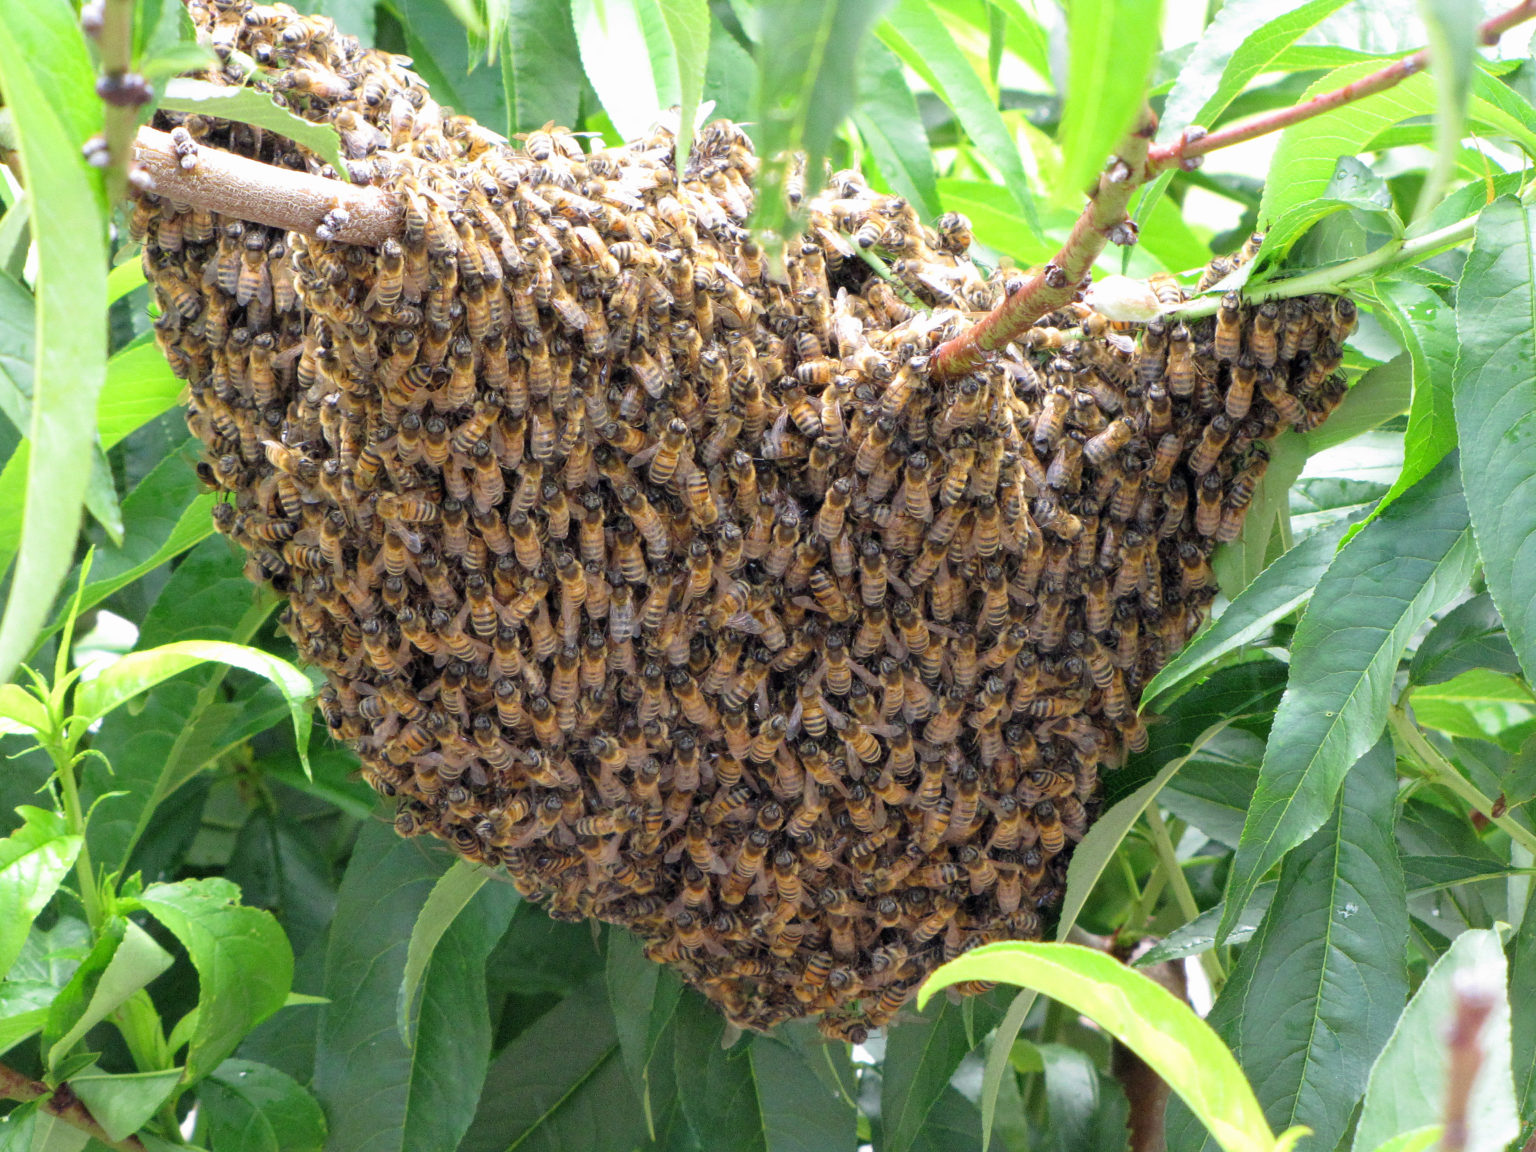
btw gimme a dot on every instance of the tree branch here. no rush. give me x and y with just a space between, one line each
1060 281
62 1104
264 194
1190 146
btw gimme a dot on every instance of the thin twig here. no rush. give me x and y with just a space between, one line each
264 194
1475 1001
1187 148
1060 281
62 1104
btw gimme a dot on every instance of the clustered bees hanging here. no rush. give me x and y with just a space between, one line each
684 592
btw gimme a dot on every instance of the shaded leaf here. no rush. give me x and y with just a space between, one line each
892 129
249 1107
920 1058
1380 589
1199 934
1320 987
1408 1080
571 1088
1495 401
135 961
540 67
644 996
1470 635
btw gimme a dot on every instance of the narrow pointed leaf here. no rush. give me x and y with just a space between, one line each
1379 590
620 63
249 106
1274 594
379 1095
452 892
1144 1016
687 23
139 671
123 1103
48 79
807 57
1111 45
1495 400
892 128
1321 985
917 35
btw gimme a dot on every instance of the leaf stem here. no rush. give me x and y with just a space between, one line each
74 815
62 1104
1441 771
1178 883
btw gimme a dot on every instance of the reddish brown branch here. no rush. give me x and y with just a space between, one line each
1062 279
1474 1004
1189 146
264 194
62 1104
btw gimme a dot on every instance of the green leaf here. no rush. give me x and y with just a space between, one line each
892 130
1427 327
243 961
74 998
1353 188
644 996
1408 1080
250 106
915 33
48 83
540 67
249 1107
453 890
34 859
1470 635
123 1102
807 56
29 1130
1145 1017
435 37
761 1095
377 1093
1419 1140
137 672
1479 703
1274 594
687 23
1239 43
1080 1119
135 961
1383 585
1495 400
571 1088
920 1058
1110 45
1320 987
1199 934
634 75
1304 160
1522 1002
140 386
1453 44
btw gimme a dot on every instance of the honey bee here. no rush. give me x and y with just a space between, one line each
1262 336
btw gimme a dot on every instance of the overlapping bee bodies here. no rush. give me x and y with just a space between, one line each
682 590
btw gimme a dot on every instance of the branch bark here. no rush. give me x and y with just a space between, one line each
62 1104
263 194
1060 281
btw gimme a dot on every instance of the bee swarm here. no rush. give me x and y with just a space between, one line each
680 590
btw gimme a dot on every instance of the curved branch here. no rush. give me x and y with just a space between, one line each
62 1104
264 194
1060 281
